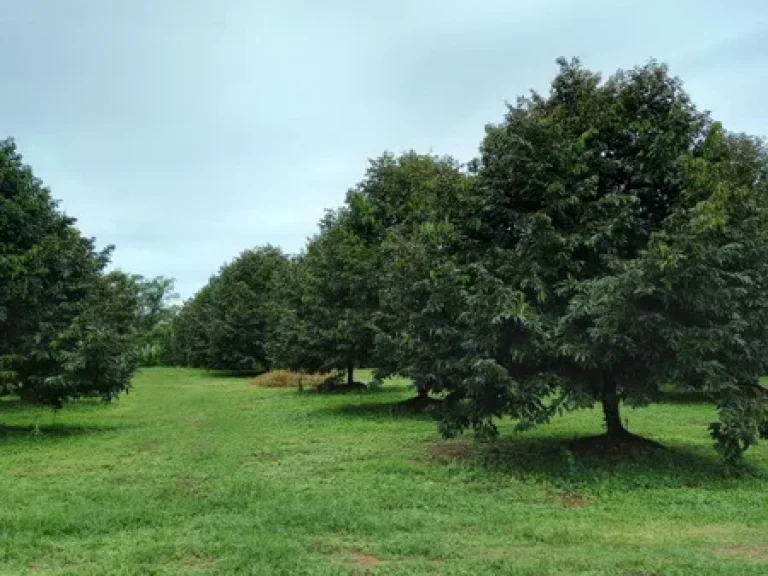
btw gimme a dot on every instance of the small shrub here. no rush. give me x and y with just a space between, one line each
286 379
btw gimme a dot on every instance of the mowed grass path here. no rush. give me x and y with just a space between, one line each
196 474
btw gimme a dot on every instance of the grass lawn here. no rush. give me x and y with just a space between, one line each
199 474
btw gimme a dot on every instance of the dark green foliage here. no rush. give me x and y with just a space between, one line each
616 241
293 343
411 204
67 330
226 325
98 351
339 306
327 301
190 329
424 302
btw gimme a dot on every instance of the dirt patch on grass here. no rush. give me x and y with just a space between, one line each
449 450
125 481
149 446
717 532
570 499
188 485
705 535
366 560
751 553
352 555
263 457
197 423
39 568
194 563
356 561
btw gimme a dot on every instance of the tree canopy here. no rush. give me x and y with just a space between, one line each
411 206
68 329
329 301
618 239
225 326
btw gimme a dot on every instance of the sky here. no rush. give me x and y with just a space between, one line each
186 131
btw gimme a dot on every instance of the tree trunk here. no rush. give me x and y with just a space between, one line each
422 391
610 401
350 375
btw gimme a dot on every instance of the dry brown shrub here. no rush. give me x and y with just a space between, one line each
286 379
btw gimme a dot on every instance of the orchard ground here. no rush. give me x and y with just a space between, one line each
202 474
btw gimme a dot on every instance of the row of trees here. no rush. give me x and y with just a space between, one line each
610 238
329 308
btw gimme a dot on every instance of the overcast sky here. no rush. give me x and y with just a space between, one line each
184 131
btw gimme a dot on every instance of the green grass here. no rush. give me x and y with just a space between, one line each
192 473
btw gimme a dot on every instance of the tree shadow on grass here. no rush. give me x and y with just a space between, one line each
343 391
412 408
51 431
568 461
13 406
235 373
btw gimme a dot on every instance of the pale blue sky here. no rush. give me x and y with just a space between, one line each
184 131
